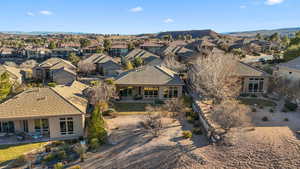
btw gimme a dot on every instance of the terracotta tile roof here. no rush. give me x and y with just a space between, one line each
37 102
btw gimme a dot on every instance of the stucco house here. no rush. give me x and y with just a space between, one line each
55 69
43 113
149 83
289 70
148 58
118 50
151 47
15 74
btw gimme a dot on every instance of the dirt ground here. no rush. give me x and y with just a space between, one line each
133 147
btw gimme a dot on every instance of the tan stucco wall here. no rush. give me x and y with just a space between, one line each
285 72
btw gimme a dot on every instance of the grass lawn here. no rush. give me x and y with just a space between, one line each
10 152
130 107
258 102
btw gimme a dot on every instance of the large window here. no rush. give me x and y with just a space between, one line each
125 92
255 85
151 92
171 92
7 127
41 126
66 126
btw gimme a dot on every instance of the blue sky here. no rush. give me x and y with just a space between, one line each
147 16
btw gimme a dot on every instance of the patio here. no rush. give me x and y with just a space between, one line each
13 138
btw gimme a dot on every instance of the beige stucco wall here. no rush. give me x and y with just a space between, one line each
63 78
285 72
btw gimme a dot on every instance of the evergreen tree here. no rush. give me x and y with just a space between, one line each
52 45
5 86
73 58
107 44
96 125
128 65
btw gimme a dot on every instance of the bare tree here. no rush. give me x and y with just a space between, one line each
170 62
230 113
174 106
153 120
86 67
216 76
100 93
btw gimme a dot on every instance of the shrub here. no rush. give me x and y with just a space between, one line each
265 118
197 131
190 119
61 155
109 81
109 112
94 143
271 111
253 95
75 167
51 84
290 106
187 134
159 102
21 160
187 100
58 166
253 110
284 110
286 119
261 107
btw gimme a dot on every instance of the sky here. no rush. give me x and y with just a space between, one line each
147 16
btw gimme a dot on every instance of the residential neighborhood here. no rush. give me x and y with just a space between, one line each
122 95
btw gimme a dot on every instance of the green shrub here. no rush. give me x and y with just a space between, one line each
58 166
265 118
187 134
197 131
286 119
109 112
94 143
159 102
75 167
49 157
271 111
51 84
21 160
110 81
253 110
61 155
187 100
290 106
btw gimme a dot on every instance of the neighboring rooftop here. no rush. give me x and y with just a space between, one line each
98 58
149 75
244 69
147 57
37 102
292 64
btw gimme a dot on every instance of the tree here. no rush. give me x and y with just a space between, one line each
130 46
230 113
258 36
73 58
153 120
216 76
96 125
101 92
275 37
52 45
86 67
107 44
128 65
285 41
170 62
167 37
84 42
138 61
99 49
238 52
292 52
81 150
5 85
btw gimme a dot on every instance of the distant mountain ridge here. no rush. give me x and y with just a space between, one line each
194 33
283 32
40 33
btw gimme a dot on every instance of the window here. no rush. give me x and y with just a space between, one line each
290 72
66 126
256 85
171 92
41 126
126 92
7 127
151 92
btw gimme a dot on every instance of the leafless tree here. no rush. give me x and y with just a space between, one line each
216 76
170 62
101 92
230 113
153 120
174 107
86 67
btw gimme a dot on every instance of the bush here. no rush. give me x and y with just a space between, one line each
51 84
190 119
187 100
197 131
271 111
253 95
286 119
75 167
158 102
187 134
49 157
290 106
265 118
253 110
21 160
58 166
109 81
109 112
61 155
94 144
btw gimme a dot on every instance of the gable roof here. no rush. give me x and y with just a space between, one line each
98 58
244 69
11 70
147 57
177 50
58 63
37 102
149 75
292 64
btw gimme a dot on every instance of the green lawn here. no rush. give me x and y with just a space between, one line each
10 152
258 102
130 107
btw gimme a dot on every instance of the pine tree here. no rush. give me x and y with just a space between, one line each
5 85
96 125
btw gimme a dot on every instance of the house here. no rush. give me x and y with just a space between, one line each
37 53
147 57
151 47
181 53
149 83
55 69
42 113
63 52
7 52
289 70
118 50
15 74
105 65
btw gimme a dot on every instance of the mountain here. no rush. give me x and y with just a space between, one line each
39 33
283 32
194 33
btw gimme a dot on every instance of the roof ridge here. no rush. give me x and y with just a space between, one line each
255 68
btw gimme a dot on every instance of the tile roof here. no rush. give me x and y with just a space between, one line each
292 64
147 57
37 102
244 69
58 63
98 58
149 75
